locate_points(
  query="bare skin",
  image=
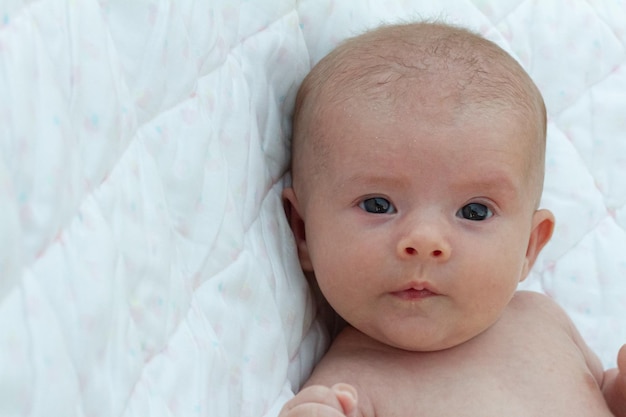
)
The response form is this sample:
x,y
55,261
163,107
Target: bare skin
x,y
415,206
514,368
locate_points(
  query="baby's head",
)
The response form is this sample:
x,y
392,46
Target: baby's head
x,y
417,168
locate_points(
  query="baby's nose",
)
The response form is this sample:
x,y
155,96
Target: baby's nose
x,y
426,243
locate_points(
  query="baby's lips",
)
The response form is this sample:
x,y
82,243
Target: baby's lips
x,y
416,290
414,295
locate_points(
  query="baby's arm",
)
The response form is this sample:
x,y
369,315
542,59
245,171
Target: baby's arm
x,y
317,400
614,385
613,381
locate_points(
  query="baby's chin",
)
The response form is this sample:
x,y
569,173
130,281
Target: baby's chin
x,y
423,345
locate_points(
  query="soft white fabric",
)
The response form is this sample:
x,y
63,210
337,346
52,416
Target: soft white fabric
x,y
146,268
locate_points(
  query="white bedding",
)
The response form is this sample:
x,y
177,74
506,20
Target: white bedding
x,y
146,268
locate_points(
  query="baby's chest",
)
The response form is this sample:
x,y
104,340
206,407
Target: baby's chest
x,y
515,378
487,392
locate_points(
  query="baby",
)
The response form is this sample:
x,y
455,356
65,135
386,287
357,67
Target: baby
x,y
418,164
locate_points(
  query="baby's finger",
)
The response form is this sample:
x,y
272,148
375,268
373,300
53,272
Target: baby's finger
x,y
315,394
621,360
347,396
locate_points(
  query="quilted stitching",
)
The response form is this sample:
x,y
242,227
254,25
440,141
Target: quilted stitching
x,y
144,264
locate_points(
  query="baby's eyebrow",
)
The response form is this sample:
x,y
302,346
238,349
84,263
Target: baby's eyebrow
x,y
504,185
387,180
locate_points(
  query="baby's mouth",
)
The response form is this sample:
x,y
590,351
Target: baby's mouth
x,y
415,292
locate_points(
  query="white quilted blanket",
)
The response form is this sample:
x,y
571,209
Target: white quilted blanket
x,y
146,268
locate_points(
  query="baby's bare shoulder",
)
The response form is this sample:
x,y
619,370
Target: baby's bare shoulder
x,y
539,312
536,304
533,298
348,354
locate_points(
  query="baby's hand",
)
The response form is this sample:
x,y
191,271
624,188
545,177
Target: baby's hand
x,y
320,401
621,375
615,391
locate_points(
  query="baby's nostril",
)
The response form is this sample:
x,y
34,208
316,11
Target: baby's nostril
x,y
437,253
411,251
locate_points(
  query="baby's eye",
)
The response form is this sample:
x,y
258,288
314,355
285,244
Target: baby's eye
x,y
475,212
377,205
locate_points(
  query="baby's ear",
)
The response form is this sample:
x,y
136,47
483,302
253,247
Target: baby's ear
x,y
542,228
296,222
